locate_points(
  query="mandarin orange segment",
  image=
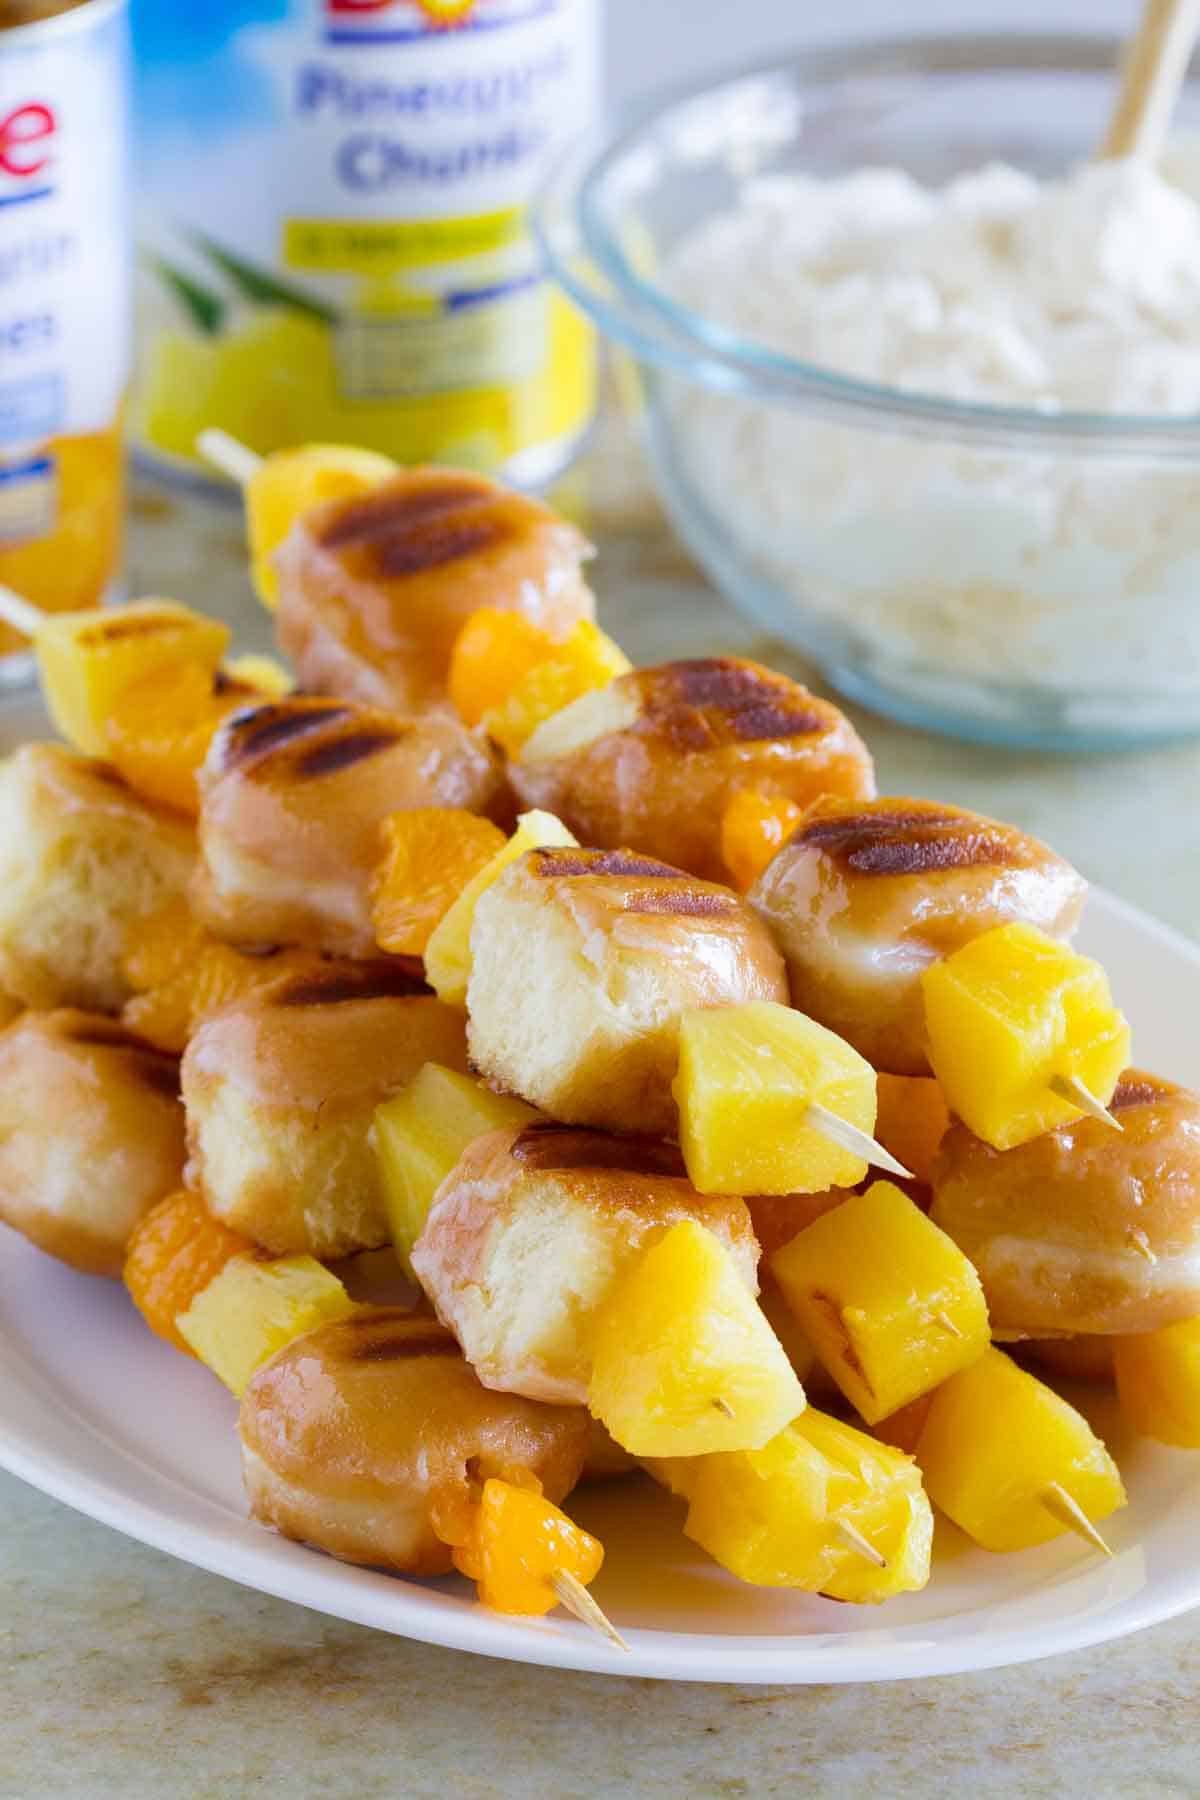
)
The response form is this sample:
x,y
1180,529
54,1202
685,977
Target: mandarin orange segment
x,y
429,856
162,946
492,653
172,1256
754,826
517,1543
159,729
162,1016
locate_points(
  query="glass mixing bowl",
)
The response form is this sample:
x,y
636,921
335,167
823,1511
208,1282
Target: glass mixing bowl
x,y
993,572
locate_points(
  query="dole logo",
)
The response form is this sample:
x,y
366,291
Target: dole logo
x,y
27,142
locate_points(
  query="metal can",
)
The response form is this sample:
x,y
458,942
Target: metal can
x,y
64,298
335,227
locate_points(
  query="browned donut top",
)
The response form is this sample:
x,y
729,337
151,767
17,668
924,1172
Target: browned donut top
x,y
424,519
375,979
301,739
653,887
912,837
560,1149
712,701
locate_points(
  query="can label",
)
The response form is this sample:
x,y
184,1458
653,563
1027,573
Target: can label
x,y
343,251
64,300
63,229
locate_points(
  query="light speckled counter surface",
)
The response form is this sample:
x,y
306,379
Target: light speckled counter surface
x,y
124,1673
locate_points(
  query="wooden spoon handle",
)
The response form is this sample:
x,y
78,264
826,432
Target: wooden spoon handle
x,y
1152,74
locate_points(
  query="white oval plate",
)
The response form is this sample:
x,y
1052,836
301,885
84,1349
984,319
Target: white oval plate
x,y
103,1416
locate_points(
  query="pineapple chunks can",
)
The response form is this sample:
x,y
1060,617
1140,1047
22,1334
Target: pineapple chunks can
x,y
335,227
64,300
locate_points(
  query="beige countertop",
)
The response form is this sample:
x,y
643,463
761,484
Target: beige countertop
x,y
125,1673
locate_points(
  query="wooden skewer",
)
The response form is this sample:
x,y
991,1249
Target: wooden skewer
x,y
1152,73
858,1543
1141,1243
574,1596
1072,1090
858,1143
1060,1505
229,454
723,1406
20,613
947,1323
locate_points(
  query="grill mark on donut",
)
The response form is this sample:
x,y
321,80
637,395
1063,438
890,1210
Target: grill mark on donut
x,y
123,626
343,752
261,728
399,506
773,719
913,843
550,862
432,1342
700,703
1136,1089
368,981
562,1149
435,546
699,905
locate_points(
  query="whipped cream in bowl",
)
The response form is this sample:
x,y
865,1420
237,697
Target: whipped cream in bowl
x,y
920,383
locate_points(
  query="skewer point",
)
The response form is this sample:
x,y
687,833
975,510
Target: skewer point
x,y
858,1143
1073,1091
861,1545
723,1406
1060,1505
229,454
947,1323
574,1596
20,613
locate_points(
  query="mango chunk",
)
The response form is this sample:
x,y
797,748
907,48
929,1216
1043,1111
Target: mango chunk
x,y
684,1362
287,483
86,659
747,1077
1158,1381
448,948
1006,1016
253,1308
996,1445
890,1304
587,659
420,1133
789,1514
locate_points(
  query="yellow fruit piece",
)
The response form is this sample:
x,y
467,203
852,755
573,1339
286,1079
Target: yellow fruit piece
x,y
1009,1013
429,855
996,1446
797,1345
890,1304
492,653
85,660
263,673
684,1362
753,828
585,660
420,1133
787,1515
517,1542
287,483
253,1308
175,1251
448,950
1158,1380
747,1076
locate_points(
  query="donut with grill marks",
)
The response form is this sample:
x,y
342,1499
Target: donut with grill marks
x,y
374,590
866,894
582,962
356,1435
652,761
292,796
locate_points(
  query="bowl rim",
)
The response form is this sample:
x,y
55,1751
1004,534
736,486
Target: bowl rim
x,y
586,260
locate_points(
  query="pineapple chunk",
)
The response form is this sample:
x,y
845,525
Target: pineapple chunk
x,y
747,1076
785,1515
254,1307
585,660
1008,1014
890,1303
448,951
684,1363
995,1446
1158,1380
419,1135
287,483
797,1345
86,659
263,673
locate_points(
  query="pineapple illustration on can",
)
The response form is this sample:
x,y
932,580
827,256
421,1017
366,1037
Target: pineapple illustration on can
x,y
335,237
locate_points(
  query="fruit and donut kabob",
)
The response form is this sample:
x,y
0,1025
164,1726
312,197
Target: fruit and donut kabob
x,y
322,905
